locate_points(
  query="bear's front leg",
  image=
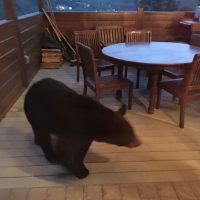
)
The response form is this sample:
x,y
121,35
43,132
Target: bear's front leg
x,y
72,153
44,140
77,168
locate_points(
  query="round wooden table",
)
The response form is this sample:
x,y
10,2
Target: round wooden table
x,y
153,57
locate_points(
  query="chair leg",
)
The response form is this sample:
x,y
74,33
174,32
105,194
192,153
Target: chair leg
x,y
78,73
85,89
97,96
113,70
125,71
173,98
158,97
182,114
138,78
130,96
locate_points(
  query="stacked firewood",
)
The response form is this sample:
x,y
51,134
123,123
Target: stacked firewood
x,y
51,58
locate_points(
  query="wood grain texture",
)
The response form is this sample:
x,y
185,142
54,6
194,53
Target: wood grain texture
x,y
11,70
164,25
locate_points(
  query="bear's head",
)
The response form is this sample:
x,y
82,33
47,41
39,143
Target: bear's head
x,y
119,131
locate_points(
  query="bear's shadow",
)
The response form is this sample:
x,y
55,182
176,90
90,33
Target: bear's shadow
x,y
38,166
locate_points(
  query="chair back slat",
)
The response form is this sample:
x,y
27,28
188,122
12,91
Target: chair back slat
x,y
110,34
139,36
88,63
89,38
195,39
194,75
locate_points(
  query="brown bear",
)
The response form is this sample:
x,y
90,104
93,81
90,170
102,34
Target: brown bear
x,y
53,108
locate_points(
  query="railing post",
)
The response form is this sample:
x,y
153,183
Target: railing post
x,y
11,14
40,5
140,18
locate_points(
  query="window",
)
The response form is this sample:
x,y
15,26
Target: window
x,y
1,10
94,5
169,5
26,6
123,5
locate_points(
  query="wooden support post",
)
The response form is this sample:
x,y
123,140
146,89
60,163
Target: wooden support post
x,y
11,14
41,5
140,18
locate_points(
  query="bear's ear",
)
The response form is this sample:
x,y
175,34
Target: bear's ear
x,y
122,110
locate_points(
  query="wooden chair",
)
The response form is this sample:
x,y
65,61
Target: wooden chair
x,y
101,84
110,34
137,36
90,38
186,89
179,73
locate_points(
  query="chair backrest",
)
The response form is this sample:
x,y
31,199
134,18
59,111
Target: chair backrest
x,y
195,39
193,76
138,36
110,34
88,63
89,38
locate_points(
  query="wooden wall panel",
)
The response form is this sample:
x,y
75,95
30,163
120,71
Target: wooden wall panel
x,y
11,84
165,25
68,22
30,32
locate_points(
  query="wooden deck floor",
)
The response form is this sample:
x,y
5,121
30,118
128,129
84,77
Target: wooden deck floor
x,y
166,166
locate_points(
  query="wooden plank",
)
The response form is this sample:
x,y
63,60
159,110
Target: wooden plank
x,y
195,186
7,30
8,71
5,194
32,43
75,192
147,191
29,21
129,192
166,191
23,161
56,193
93,192
141,156
10,98
116,157
7,44
111,192
34,166
103,178
106,148
30,32
37,194
8,58
42,170
184,191
9,84
19,194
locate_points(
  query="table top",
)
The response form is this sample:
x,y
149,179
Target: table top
x,y
163,54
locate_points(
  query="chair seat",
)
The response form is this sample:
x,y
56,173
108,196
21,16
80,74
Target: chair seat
x,y
103,65
113,81
174,73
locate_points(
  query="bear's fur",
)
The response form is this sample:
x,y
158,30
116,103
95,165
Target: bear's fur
x,y
53,108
